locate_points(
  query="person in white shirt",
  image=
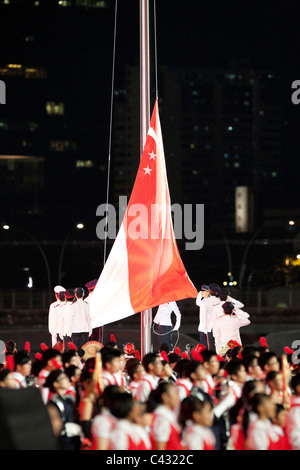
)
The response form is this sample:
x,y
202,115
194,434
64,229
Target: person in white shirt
x,y
22,370
97,332
207,315
67,317
224,296
201,297
153,367
52,316
293,417
227,327
81,327
163,322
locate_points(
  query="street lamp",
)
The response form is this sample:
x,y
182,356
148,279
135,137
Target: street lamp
x,y
79,226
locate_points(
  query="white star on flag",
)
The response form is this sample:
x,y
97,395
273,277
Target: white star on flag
x,y
144,268
147,170
152,155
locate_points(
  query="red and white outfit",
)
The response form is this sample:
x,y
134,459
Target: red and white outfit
x,y
133,386
262,434
146,385
128,436
184,387
20,380
102,425
109,379
165,428
196,437
120,379
293,424
208,385
45,392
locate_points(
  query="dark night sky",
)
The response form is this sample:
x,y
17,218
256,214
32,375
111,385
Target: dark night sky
x,y
192,33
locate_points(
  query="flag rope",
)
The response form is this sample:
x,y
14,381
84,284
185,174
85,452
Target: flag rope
x,y
110,124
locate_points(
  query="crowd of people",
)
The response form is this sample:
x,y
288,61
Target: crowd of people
x,y
211,396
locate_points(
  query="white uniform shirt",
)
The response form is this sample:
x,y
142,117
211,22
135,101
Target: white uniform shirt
x,y
196,437
218,308
81,317
293,424
59,318
19,379
67,319
163,315
146,385
207,313
163,421
52,318
199,302
227,327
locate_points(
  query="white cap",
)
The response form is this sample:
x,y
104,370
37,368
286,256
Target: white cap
x,y
58,289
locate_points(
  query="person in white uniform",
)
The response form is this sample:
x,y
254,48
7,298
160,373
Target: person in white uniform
x,y
201,297
227,327
52,316
224,296
81,327
207,314
163,322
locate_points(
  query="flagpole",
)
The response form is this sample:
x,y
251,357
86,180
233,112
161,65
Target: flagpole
x,y
146,315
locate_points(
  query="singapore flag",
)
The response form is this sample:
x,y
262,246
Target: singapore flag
x,y
144,268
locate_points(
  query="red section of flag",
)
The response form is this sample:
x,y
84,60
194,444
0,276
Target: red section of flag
x,y
156,272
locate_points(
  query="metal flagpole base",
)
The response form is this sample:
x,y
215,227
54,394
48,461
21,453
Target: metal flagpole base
x,y
146,328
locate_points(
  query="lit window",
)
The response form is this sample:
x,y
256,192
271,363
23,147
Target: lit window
x,y
55,108
84,164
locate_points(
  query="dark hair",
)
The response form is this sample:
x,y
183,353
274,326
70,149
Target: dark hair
x,y
49,354
109,394
173,357
3,374
248,390
67,356
61,296
271,375
180,367
233,366
10,346
109,354
70,371
155,397
132,368
248,361
188,406
266,357
249,350
253,404
207,355
52,377
122,404
21,358
148,359
191,368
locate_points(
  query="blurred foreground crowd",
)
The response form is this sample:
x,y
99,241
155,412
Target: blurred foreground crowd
x,y
106,397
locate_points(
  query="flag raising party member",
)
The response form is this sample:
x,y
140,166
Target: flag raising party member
x,y
144,268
